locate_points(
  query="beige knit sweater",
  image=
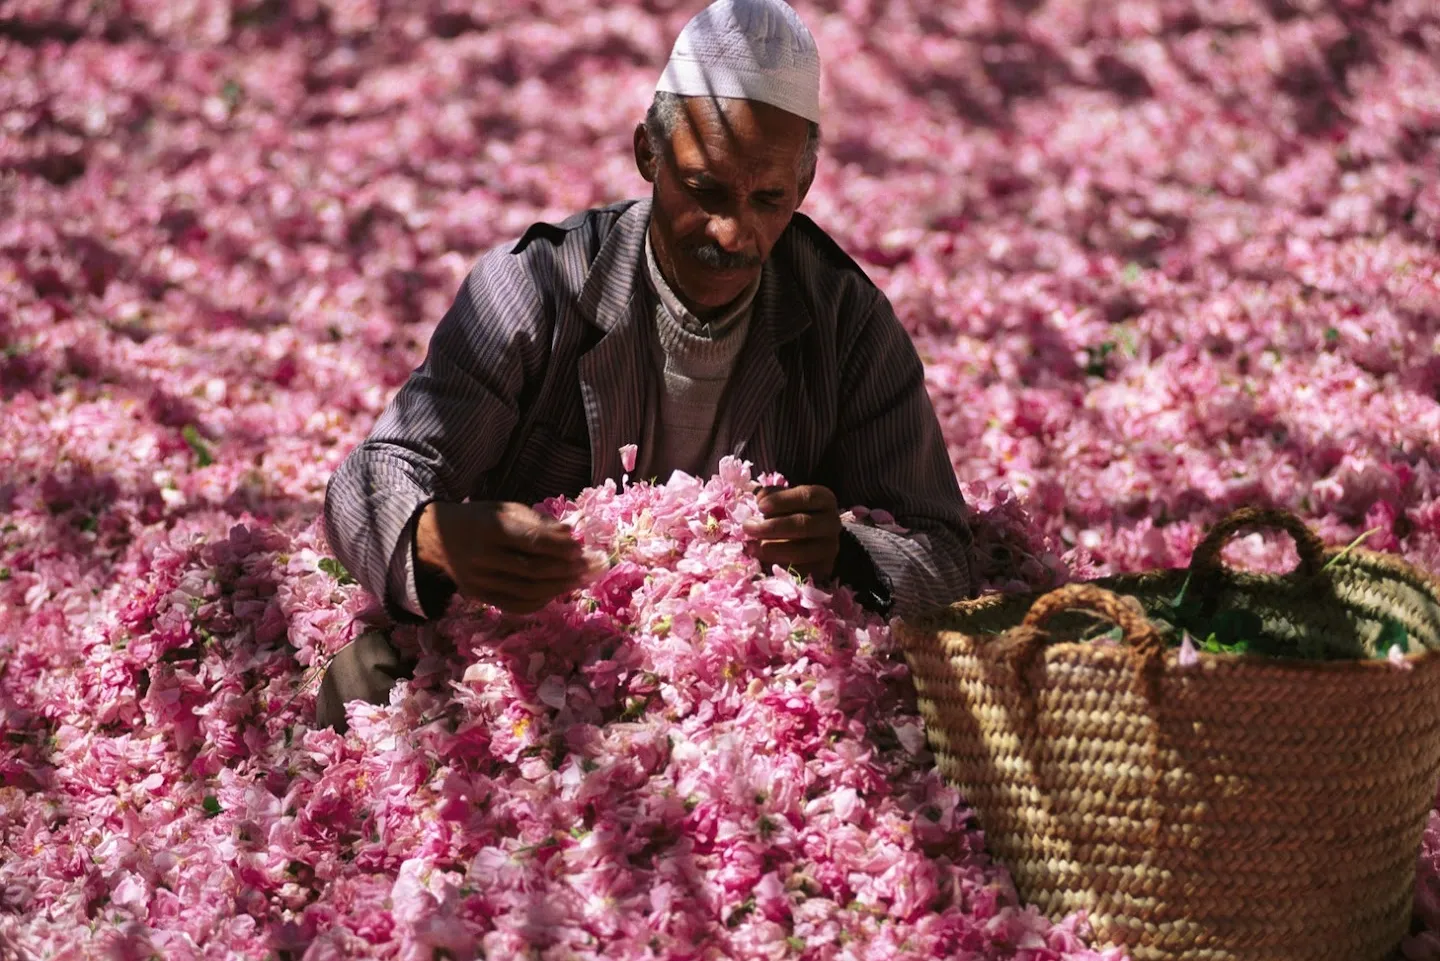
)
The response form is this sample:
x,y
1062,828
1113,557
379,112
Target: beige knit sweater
x,y
686,429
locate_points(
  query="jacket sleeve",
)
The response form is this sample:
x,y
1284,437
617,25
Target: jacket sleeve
x,y
889,454
449,424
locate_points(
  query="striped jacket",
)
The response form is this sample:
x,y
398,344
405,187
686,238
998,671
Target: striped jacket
x,y
541,370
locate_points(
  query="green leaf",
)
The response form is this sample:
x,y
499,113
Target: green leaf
x,y
549,842
1235,626
1213,645
336,570
796,944
740,913
197,445
4,573
211,805
1104,632
1179,600
1331,335
1184,610
1096,356
1350,547
1392,634
634,708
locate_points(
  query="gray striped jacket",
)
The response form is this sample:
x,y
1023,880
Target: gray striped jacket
x,y
541,370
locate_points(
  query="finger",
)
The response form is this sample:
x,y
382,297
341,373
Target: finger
x,y
798,554
518,605
795,527
524,531
542,566
805,499
484,584
509,603
512,605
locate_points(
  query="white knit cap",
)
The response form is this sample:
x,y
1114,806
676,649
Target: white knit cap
x,y
750,50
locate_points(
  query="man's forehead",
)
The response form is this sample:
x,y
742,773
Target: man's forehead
x,y
725,144
740,121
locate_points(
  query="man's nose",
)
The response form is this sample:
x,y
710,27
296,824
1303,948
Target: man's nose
x,y
731,232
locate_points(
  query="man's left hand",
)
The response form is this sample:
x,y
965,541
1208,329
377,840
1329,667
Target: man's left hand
x,y
801,529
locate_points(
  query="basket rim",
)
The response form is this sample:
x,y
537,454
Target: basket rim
x,y
954,642
926,626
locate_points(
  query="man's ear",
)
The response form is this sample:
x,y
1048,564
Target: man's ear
x,y
645,159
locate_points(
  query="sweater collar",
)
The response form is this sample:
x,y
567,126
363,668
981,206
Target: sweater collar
x,y
670,301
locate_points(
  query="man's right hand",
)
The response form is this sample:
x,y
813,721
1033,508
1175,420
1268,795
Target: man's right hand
x,y
504,554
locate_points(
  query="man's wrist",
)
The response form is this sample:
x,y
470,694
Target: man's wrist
x,y
430,554
433,584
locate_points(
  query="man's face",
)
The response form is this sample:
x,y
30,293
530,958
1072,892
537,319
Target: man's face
x,y
723,194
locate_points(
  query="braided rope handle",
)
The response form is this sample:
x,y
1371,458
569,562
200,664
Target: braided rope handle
x,y
1307,543
1135,627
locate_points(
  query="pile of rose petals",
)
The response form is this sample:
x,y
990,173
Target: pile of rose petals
x,y
691,757
1161,258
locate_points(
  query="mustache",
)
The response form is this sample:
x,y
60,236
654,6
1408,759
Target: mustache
x,y
718,258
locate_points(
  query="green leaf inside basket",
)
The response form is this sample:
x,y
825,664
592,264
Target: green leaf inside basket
x,y
1236,628
1213,645
1392,634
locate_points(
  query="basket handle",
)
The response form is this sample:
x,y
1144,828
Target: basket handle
x,y
1148,658
1311,549
1135,627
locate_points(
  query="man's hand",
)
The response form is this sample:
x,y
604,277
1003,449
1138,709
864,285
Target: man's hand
x,y
504,554
801,529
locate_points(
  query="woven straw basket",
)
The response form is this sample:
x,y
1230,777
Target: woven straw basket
x,y
1240,809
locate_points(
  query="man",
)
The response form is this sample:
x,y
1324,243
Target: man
x,y
709,320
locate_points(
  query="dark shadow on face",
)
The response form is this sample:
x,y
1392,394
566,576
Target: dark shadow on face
x,y
723,190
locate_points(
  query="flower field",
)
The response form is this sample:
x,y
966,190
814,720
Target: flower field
x,y
1162,259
